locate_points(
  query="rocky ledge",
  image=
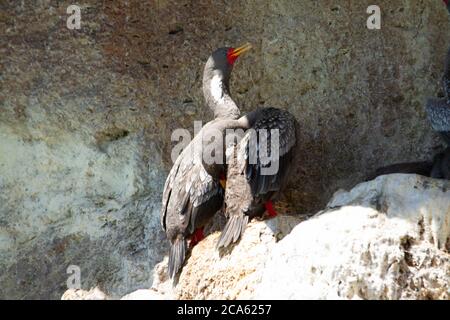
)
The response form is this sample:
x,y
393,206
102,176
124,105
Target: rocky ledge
x,y
385,239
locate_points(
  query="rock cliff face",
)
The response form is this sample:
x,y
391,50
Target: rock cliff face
x,y
86,117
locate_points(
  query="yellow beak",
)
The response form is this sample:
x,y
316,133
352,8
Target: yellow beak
x,y
238,51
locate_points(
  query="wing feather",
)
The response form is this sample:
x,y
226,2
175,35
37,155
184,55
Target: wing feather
x,y
285,123
248,188
438,111
191,196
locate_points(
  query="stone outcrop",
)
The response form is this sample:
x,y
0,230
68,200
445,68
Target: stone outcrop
x,y
385,239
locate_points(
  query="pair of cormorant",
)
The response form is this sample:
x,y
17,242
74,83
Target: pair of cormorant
x,y
194,192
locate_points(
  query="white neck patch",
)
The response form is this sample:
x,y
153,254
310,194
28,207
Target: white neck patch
x,y
217,88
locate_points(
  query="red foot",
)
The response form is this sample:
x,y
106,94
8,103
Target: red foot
x,y
197,237
270,210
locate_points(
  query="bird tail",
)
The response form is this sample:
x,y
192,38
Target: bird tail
x,y
233,230
176,256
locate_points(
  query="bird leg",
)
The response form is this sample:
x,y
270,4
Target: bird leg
x,y
196,237
270,210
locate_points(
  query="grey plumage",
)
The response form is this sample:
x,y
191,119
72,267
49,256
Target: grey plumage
x,y
441,165
247,189
446,77
190,198
192,192
217,67
438,110
177,255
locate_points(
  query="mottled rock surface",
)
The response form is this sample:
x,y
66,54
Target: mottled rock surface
x,y
79,294
385,239
233,273
86,116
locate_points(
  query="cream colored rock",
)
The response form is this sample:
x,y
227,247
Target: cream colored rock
x,y
143,294
79,294
230,274
385,239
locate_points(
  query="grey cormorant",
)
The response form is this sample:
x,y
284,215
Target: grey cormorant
x,y
249,192
192,192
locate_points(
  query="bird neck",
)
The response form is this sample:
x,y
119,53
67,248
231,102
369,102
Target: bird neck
x,y
217,95
245,122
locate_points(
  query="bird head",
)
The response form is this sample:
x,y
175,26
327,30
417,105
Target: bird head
x,y
234,53
223,59
447,3
216,78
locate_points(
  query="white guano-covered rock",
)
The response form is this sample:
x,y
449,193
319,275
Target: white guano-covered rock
x,y
143,294
385,239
